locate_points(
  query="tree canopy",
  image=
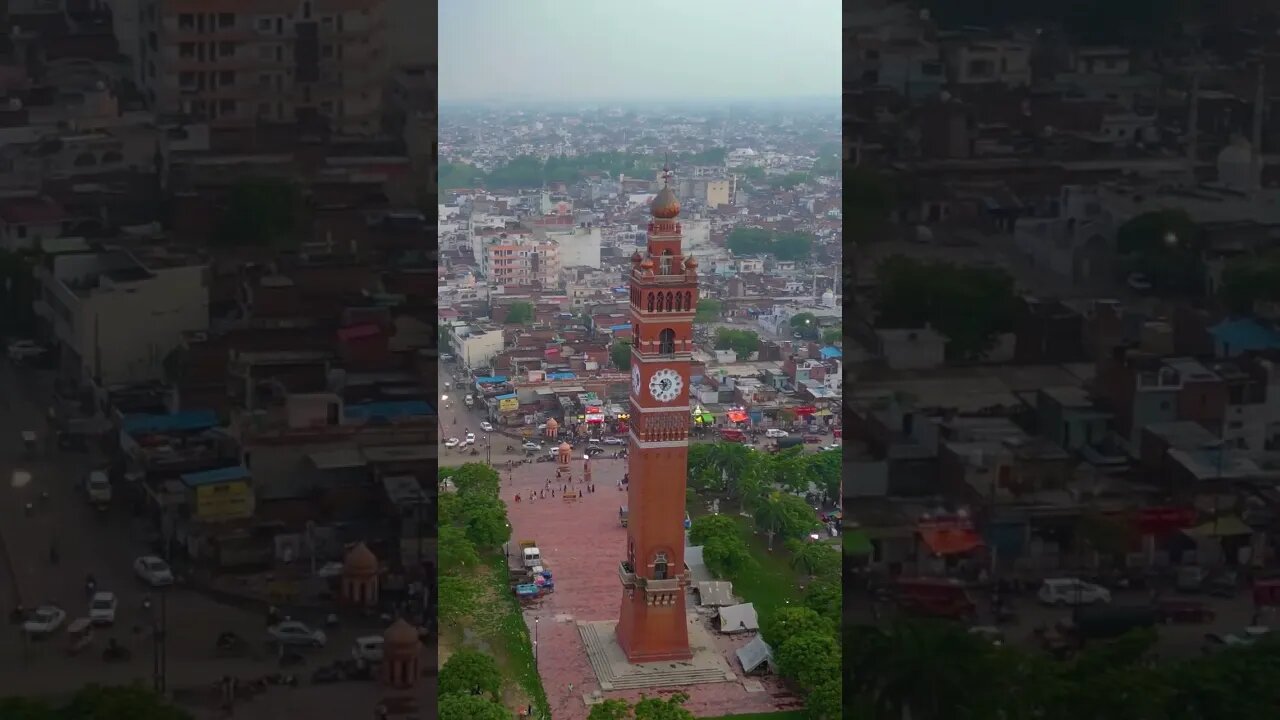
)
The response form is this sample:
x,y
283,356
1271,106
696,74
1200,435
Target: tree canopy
x,y
1164,246
620,354
786,246
96,702
708,310
867,199
520,313
259,212
456,706
471,672
969,305
1248,280
742,342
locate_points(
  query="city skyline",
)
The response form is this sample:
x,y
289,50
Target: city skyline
x,y
576,51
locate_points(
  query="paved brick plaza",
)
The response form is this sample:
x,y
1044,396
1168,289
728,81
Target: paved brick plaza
x,y
582,543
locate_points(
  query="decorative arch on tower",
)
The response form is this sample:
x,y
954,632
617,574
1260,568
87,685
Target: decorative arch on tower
x,y
649,303
667,342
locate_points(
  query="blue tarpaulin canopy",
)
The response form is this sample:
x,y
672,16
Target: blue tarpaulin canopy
x,y
189,420
618,328
405,408
508,396
491,380
829,352
561,376
219,475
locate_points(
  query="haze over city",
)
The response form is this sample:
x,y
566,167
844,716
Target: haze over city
x,y
576,50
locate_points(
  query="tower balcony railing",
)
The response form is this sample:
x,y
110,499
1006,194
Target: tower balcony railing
x,y
672,278
661,586
626,575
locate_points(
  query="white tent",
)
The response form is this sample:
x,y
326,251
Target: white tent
x,y
754,654
715,594
739,618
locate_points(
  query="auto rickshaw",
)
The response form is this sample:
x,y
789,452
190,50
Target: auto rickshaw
x,y
79,635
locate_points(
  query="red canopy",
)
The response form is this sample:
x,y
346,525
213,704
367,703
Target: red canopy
x,y
947,541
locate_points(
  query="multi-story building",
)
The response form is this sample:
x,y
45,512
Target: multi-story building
x,y
237,63
513,261
994,61
116,316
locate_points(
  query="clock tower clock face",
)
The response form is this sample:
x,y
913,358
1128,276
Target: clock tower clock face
x,y
665,385
635,379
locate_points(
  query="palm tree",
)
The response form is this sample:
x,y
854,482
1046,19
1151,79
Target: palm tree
x,y
813,558
769,514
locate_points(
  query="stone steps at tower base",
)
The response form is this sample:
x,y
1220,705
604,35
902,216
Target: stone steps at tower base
x,y
598,652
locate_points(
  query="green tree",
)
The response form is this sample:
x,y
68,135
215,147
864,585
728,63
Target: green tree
x,y
814,559
826,598
471,672
484,520
671,708
727,556
120,702
704,528
470,707
620,354
1250,279
708,310
793,246
784,622
809,659
260,212
806,324
454,176
474,478
749,241
826,701
610,710
520,313
971,306
782,514
454,551
17,293
742,342
868,198
832,336
753,173
823,469
1165,246
788,181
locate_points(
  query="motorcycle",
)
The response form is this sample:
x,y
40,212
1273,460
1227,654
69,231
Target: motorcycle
x,y
231,644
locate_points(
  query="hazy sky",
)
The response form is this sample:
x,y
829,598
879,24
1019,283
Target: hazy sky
x,y
638,49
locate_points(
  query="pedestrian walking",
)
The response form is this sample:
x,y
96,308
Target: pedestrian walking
x,y
517,497
553,492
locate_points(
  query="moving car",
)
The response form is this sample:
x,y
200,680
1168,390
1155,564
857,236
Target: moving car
x,y
775,433
470,440
1072,591
485,426
1250,636
294,633
46,620
367,648
614,441
97,487
20,350
451,443
153,571
531,446
102,608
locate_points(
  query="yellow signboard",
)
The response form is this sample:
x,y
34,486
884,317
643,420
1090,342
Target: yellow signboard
x,y
224,501
508,404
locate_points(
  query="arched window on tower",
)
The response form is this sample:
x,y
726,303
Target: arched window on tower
x,y
649,303
671,305
688,300
667,342
660,566
666,262
679,301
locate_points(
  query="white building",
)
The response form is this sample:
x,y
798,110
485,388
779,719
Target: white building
x,y
117,317
579,247
475,346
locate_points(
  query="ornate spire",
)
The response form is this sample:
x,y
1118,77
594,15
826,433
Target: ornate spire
x,y
665,206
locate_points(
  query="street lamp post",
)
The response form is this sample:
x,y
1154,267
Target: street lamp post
x,y
488,451
535,642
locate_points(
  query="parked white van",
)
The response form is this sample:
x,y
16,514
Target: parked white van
x,y
1072,591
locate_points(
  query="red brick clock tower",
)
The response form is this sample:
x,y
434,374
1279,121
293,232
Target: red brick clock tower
x,y
664,293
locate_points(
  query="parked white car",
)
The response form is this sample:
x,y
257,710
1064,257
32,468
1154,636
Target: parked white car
x,y
470,440
531,446
486,426
153,571
614,441
20,350
46,620
368,649
775,433
102,608
292,632
451,443
1071,591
